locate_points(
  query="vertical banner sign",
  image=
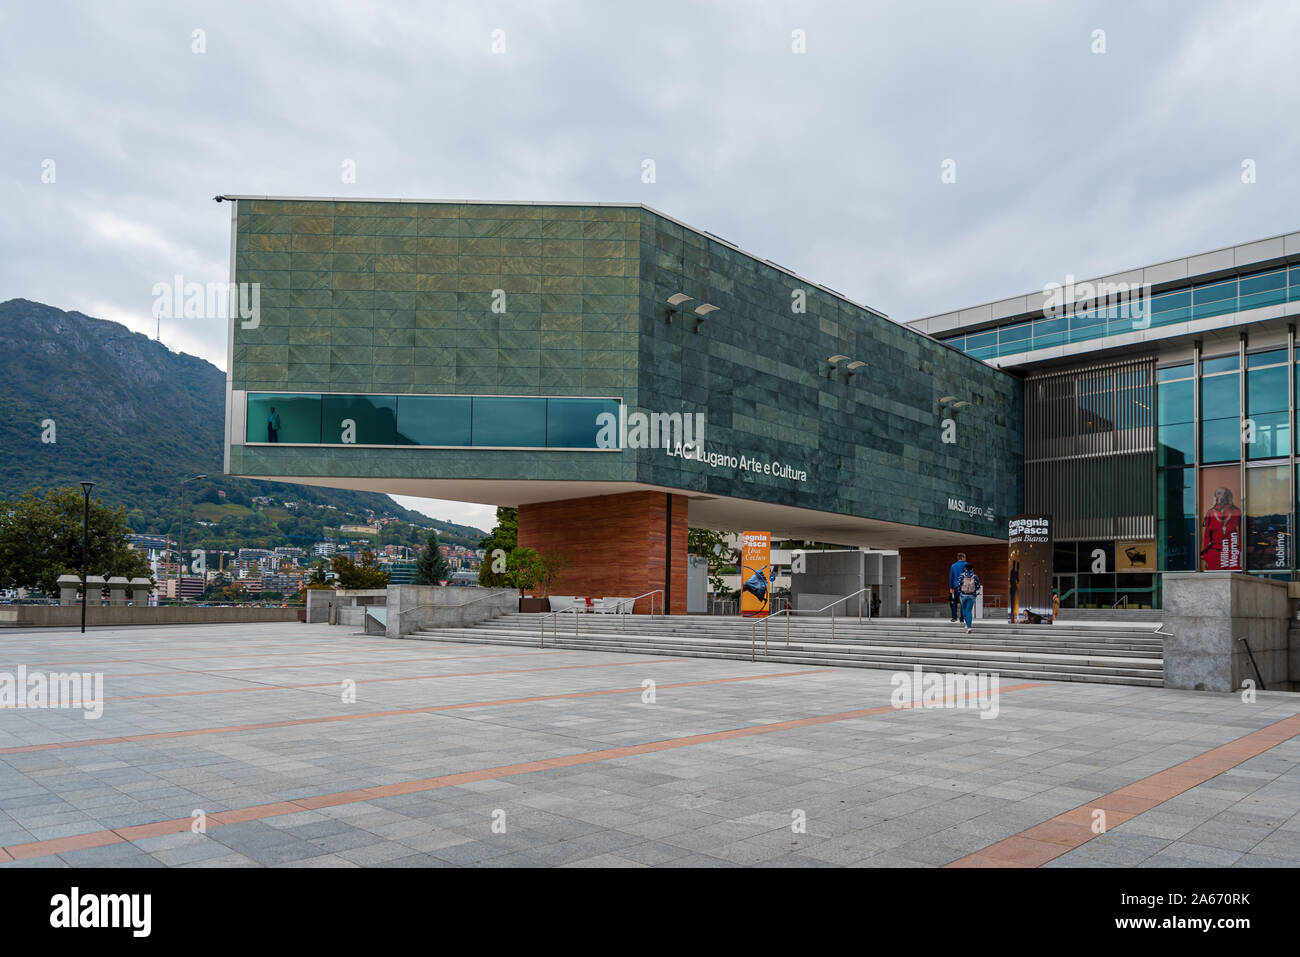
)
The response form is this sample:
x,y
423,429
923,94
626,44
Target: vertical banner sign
x,y
1029,569
1221,544
756,574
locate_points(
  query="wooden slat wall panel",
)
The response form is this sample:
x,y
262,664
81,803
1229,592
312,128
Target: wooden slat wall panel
x,y
615,544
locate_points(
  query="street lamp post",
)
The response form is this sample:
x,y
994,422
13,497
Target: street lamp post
x,y
180,566
85,552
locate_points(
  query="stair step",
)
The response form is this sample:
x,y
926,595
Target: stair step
x,y
1106,652
1152,677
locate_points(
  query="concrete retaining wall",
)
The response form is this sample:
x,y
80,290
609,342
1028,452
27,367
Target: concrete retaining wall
x,y
1207,612
354,616
413,607
63,616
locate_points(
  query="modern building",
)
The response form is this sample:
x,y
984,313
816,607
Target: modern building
x,y
562,358
514,354
400,573
1160,408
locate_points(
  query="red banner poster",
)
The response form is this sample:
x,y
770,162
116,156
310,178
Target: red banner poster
x,y
1221,527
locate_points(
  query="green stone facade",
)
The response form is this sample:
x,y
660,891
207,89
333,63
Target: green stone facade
x,y
398,298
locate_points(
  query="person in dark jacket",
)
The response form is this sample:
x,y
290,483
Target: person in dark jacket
x,y
968,586
954,573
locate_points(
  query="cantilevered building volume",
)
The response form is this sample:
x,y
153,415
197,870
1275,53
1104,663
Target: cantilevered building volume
x,y
466,350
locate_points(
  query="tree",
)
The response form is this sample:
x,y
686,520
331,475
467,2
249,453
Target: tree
x,y
505,537
524,569
432,567
352,575
316,578
226,592
41,539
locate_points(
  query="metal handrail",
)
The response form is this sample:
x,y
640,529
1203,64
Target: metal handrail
x,y
753,628
1123,601
555,631
553,615
1251,655
650,594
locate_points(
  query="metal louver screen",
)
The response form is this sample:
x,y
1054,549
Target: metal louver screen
x,y
1090,450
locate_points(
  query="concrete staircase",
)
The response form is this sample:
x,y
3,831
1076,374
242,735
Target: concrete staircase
x,y
1112,614
1108,652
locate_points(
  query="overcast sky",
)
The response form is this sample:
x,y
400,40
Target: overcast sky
x,y
827,161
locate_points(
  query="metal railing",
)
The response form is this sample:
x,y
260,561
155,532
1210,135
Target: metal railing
x,y
650,594
619,605
990,601
1251,655
555,619
730,606
1123,601
753,629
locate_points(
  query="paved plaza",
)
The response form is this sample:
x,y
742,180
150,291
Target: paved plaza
x,y
241,745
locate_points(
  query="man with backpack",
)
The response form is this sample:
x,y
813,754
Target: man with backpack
x,y
968,586
954,573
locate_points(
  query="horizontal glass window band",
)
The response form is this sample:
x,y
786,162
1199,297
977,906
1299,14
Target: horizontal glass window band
x,y
570,423
1174,306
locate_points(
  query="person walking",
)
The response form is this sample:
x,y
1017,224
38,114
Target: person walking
x,y
954,576
968,586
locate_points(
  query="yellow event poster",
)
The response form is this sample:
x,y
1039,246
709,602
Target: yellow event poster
x,y
756,574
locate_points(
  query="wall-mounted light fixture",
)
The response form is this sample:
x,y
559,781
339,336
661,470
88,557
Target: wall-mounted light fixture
x,y
952,403
830,364
701,313
675,302
851,368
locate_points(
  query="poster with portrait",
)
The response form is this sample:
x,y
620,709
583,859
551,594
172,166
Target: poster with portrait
x,y
1268,518
756,574
1220,540
1029,569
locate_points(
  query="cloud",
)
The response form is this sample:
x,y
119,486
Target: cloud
x,y
462,513
828,161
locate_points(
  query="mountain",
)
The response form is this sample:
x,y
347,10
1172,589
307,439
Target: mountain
x,y
135,418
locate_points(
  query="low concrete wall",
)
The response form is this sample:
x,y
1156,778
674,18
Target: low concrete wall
x,y
63,616
414,607
354,616
1206,613
319,603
